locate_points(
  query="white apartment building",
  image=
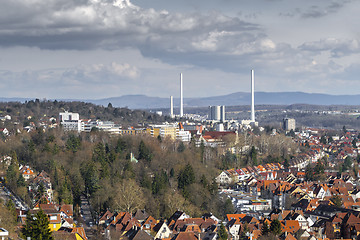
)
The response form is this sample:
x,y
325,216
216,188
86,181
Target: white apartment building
x,y
71,121
183,135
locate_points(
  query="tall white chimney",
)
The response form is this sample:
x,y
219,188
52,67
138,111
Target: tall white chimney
x,y
252,96
181,96
171,106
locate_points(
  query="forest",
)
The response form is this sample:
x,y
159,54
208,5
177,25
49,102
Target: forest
x,y
168,176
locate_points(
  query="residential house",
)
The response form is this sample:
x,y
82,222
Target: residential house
x,y
162,230
27,173
149,224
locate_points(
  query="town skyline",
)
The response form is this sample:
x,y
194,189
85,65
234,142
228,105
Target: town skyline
x,y
82,49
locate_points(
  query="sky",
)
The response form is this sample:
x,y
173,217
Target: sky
x,y
93,49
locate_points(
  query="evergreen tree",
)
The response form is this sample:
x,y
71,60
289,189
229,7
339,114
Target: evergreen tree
x,y
347,163
223,235
12,173
275,227
160,182
37,226
172,172
244,232
21,181
146,181
203,181
265,229
73,143
90,175
253,156
120,145
181,147
309,173
99,153
11,207
186,177
144,152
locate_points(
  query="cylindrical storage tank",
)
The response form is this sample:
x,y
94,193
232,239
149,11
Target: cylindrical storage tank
x,y
217,113
222,113
211,113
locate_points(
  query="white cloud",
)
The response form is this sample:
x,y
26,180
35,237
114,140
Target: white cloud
x,y
100,72
84,78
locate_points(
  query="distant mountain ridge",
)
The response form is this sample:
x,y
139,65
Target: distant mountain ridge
x,y
233,99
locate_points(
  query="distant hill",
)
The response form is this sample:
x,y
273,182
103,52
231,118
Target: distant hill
x,y
239,98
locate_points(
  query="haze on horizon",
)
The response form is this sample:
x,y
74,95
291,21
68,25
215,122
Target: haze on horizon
x,y
92,49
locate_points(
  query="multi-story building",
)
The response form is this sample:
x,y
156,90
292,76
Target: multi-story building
x,y
105,126
163,130
289,124
133,131
71,121
174,131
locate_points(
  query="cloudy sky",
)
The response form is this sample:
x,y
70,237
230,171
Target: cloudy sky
x,y
91,49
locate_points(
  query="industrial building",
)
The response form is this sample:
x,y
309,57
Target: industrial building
x,y
217,113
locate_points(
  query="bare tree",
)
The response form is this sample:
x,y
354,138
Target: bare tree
x,y
128,196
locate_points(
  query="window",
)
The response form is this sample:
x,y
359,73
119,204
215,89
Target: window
x,y
54,226
53,218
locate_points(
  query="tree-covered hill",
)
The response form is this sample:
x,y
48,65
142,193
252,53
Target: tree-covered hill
x,y
168,175
35,110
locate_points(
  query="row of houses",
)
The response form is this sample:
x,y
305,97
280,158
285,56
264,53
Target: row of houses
x,y
142,226
231,176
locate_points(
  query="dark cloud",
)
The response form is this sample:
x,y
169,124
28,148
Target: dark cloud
x,y
337,47
323,9
58,24
194,38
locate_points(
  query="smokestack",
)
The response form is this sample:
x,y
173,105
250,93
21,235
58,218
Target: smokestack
x,y
252,96
171,106
181,96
